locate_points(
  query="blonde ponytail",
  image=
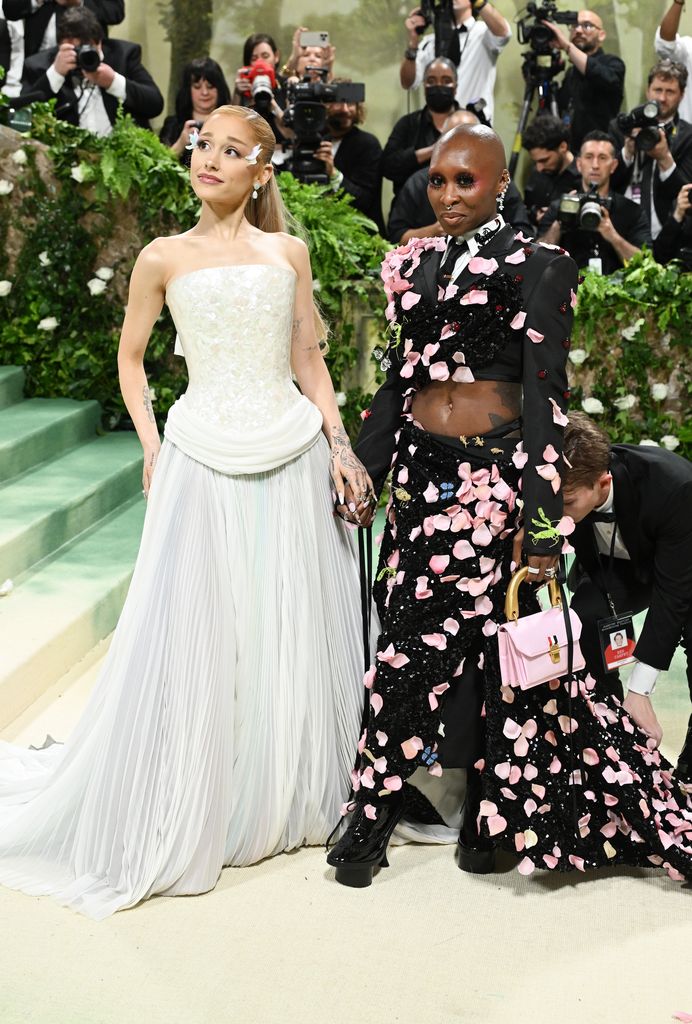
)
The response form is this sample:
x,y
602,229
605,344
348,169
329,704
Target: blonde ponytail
x,y
268,212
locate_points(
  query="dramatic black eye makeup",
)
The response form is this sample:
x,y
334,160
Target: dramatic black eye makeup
x,y
464,180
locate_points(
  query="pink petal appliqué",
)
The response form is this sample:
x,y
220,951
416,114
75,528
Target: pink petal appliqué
x,y
516,257
475,297
534,336
549,454
370,812
409,300
411,747
558,415
479,265
376,703
438,640
526,866
393,783
438,563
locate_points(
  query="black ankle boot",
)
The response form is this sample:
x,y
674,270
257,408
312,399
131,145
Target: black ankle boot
x,y
684,766
363,846
476,854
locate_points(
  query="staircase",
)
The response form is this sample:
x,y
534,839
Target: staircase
x,y
71,514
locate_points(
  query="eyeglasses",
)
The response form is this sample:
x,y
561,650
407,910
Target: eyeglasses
x,y
588,26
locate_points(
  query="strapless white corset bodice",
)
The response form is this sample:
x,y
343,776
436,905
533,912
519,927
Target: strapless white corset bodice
x,y
241,412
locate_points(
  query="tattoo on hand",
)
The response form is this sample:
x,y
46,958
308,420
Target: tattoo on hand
x,y
147,404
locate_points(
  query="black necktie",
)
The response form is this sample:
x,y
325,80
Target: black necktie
x,y
446,268
601,517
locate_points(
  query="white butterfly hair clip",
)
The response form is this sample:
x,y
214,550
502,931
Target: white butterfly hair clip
x,y
252,157
194,139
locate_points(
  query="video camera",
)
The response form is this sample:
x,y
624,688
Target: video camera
x,y
583,210
538,36
440,13
647,118
307,116
261,78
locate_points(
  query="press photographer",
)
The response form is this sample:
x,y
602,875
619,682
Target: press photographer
x,y
307,117
471,35
90,76
653,170
675,239
592,89
258,83
555,170
599,228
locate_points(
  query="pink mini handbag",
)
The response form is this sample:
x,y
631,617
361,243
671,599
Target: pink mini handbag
x,y
540,647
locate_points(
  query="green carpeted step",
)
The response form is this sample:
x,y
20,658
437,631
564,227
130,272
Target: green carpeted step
x,y
11,385
61,609
40,428
48,506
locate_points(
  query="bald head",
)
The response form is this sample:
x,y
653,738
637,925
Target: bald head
x,y
459,117
480,139
588,33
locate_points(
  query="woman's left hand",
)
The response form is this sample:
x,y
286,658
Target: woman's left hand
x,y
348,473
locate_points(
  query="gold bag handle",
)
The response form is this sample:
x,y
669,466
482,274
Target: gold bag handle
x,y
512,598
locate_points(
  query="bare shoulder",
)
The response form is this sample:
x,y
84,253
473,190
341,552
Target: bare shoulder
x,y
295,250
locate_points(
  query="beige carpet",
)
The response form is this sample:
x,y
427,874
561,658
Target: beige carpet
x,y
281,943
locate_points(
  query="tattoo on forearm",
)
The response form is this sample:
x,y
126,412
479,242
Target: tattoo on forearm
x,y
147,404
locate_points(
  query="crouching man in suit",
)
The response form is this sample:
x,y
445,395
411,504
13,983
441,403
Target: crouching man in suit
x,y
633,544
90,76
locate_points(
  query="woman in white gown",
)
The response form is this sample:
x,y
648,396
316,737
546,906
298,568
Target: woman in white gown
x,y
222,726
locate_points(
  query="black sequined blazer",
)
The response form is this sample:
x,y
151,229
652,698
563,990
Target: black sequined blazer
x,y
508,318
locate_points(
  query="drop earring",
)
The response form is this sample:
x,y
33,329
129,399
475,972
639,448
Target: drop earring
x,y
255,190
501,201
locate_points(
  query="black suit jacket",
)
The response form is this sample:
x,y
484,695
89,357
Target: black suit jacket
x,y
547,278
664,192
359,158
412,209
142,98
593,98
652,498
108,12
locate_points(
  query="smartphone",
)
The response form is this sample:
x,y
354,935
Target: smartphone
x,y
314,38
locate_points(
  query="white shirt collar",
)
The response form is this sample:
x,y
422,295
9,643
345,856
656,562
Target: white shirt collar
x,y
474,238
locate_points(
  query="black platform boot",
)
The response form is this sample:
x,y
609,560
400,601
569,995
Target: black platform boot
x,y
476,854
363,846
684,767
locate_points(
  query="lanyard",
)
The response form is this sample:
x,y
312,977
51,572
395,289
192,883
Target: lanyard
x,y
605,579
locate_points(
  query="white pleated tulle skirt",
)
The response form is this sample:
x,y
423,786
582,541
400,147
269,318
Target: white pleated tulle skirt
x,y
223,725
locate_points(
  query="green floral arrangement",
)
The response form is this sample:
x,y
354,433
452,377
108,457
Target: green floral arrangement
x,y
76,209
630,365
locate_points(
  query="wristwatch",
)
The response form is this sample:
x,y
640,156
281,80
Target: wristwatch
x,y
410,53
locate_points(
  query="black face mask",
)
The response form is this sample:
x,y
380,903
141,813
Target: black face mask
x,y
439,98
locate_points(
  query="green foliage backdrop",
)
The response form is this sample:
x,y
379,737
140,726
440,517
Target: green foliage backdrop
x,y
75,210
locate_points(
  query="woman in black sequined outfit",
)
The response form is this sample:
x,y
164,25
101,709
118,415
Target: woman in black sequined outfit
x,y
471,420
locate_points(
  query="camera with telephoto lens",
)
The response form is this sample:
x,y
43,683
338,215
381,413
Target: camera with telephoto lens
x,y
645,117
531,32
306,115
88,57
261,78
583,210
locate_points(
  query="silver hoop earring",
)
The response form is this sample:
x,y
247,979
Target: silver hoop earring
x,y
255,190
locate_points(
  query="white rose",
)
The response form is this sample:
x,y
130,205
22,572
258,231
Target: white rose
x,y
316,286
44,258
96,286
19,156
105,273
78,173
670,441
340,398
649,443
592,406
625,402
578,355
49,323
5,288
5,187
659,392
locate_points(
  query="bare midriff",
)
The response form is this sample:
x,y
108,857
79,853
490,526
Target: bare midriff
x,y
461,410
